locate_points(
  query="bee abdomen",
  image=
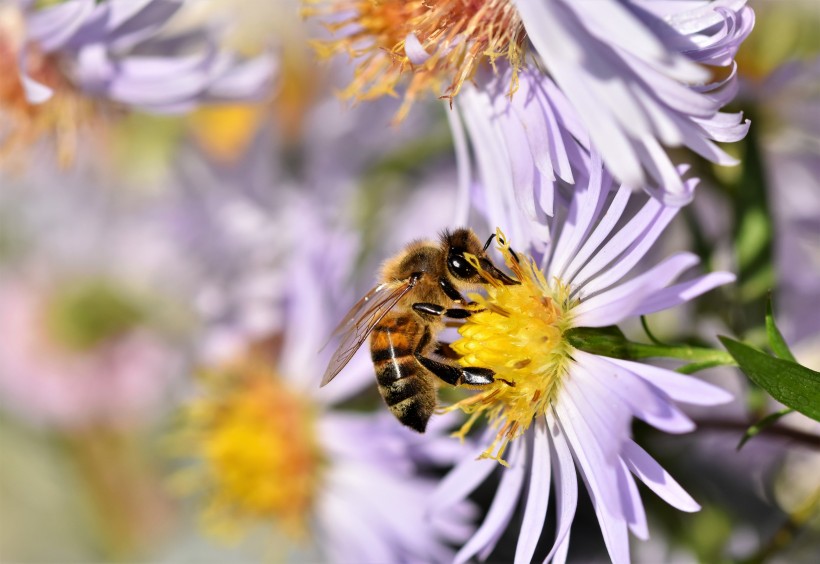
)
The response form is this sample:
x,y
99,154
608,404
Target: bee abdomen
x,y
402,382
402,390
416,411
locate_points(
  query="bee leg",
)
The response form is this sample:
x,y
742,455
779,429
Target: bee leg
x,y
434,309
452,374
450,291
445,350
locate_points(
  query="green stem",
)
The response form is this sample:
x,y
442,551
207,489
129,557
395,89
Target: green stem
x,y
609,341
704,355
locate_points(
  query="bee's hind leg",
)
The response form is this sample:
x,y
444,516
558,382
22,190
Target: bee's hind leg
x,y
453,374
445,350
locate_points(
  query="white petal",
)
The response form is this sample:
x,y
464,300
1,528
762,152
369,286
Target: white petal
x,y
604,227
553,32
36,93
54,25
463,166
657,479
589,453
601,481
683,292
643,399
677,386
538,495
415,50
631,500
584,210
613,23
462,480
661,168
615,305
566,490
502,507
619,242
640,245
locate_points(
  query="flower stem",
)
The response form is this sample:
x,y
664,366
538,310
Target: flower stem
x,y
610,341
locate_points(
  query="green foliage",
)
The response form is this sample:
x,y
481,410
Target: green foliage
x,y
790,383
611,342
776,340
762,425
84,316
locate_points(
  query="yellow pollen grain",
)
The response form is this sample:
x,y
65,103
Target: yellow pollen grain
x,y
60,119
518,333
458,35
260,460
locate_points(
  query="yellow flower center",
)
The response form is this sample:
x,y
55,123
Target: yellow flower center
x,y
257,440
518,333
457,36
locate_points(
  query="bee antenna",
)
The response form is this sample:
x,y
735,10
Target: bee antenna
x,y
489,240
515,256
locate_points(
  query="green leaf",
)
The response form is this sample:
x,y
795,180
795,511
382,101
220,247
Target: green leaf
x,y
776,340
793,385
763,424
693,367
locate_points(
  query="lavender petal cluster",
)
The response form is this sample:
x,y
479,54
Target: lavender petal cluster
x,y
117,50
631,79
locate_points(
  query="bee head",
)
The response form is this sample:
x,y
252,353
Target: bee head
x,y
461,241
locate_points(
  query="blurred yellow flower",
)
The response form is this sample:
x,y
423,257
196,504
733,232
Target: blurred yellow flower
x,y
259,455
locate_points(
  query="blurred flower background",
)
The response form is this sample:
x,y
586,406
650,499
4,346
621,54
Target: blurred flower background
x,y
194,193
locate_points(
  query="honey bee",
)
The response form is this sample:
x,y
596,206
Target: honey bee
x,y
420,287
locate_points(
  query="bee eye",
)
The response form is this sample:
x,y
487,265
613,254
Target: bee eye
x,y
459,267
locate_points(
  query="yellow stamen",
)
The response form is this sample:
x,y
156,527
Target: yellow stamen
x,y
257,440
518,333
458,35
225,131
59,119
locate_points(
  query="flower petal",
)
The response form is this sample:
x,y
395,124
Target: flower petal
x,y
644,400
634,512
656,478
683,292
566,490
462,480
502,507
615,305
677,386
538,494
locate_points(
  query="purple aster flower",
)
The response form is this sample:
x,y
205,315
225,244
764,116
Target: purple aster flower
x,y
116,50
272,447
630,78
636,74
569,412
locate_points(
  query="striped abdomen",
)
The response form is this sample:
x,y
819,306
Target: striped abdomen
x,y
403,382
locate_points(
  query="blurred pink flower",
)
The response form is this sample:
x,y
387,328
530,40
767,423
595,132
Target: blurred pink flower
x,y
113,382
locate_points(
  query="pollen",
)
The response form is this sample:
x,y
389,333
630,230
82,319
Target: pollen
x,y
436,44
260,461
60,119
518,333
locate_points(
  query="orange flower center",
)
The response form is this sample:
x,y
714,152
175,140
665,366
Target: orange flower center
x,y
439,44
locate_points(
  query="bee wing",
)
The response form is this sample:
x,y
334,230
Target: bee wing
x,y
348,320
360,321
